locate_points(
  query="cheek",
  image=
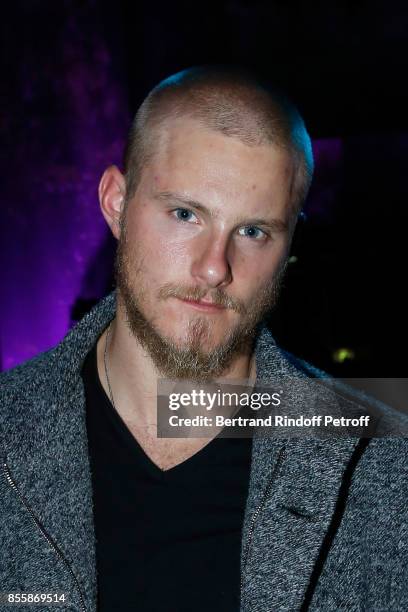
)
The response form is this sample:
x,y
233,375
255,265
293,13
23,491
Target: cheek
x,y
259,266
176,253
146,229
165,254
255,273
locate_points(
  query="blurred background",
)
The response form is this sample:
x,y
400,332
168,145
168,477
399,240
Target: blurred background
x,y
74,73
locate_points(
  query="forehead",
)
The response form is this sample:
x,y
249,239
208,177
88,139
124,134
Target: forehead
x,y
205,163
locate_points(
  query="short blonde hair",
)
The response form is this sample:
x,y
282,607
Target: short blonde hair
x,y
228,100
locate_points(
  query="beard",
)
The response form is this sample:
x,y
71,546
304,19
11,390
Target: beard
x,y
190,361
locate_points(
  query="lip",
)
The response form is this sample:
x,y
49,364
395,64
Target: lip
x,y
203,306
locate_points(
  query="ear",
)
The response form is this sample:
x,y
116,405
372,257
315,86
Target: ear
x,y
112,192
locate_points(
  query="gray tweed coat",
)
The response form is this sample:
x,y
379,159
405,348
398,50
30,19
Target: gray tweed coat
x,y
326,523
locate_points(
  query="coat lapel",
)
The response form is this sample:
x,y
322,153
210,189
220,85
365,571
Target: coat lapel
x,y
293,492
48,455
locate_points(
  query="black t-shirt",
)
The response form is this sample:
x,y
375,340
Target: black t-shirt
x,y
165,540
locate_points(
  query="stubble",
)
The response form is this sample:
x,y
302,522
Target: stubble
x,y
189,361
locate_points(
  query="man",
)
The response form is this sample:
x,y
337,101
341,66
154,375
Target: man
x,y
100,513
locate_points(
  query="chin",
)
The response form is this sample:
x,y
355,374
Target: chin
x,y
181,336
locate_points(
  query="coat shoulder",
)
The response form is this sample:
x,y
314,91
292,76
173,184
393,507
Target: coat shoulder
x,y
392,430
23,378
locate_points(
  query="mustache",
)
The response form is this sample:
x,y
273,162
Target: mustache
x,y
217,296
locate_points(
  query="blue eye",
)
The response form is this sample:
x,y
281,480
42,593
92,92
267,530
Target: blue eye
x,y
183,214
253,232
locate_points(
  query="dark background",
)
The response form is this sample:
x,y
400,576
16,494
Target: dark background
x,y
73,76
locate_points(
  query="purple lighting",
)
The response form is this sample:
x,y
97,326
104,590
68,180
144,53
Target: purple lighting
x,y
73,119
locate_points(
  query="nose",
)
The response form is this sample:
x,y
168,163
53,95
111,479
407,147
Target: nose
x,y
211,265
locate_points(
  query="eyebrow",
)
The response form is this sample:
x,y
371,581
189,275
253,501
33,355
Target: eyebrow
x,y
276,225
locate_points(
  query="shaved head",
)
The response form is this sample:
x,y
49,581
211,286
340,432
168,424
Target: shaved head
x,y
226,100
